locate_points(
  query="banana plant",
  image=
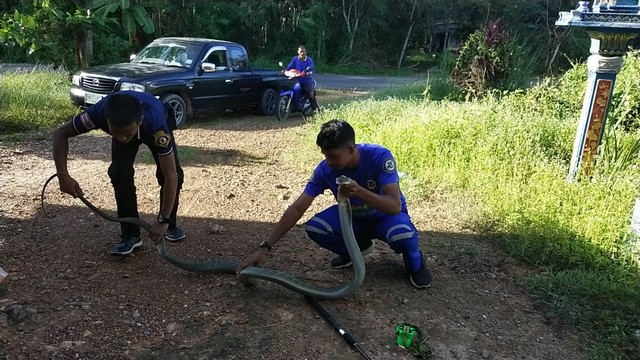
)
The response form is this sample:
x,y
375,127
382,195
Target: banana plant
x,y
133,15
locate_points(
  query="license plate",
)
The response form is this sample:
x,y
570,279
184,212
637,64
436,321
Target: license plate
x,y
91,98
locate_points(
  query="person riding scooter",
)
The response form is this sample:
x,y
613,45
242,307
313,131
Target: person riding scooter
x,y
304,64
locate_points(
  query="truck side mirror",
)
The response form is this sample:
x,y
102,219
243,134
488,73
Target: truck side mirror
x,y
132,56
208,67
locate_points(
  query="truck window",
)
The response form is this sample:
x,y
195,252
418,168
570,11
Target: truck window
x,y
238,58
219,58
170,54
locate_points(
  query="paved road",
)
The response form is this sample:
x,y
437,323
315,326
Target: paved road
x,y
362,82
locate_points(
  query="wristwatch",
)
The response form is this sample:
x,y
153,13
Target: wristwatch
x,y
265,244
163,219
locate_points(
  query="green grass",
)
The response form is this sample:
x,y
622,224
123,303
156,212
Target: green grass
x,y
508,154
14,137
436,87
34,101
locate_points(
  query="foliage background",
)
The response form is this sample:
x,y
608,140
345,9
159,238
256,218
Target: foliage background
x,y
272,29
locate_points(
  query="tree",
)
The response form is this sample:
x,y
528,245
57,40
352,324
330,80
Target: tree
x,y
353,11
44,33
412,19
314,24
132,15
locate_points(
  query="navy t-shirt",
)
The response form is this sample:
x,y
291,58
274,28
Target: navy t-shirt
x,y
376,168
154,130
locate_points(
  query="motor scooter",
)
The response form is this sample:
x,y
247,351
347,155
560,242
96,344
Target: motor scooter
x,y
292,98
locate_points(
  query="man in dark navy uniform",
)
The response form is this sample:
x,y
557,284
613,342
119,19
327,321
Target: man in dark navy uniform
x,y
378,208
131,118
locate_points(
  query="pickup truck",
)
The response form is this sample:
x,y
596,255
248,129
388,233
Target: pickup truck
x,y
192,75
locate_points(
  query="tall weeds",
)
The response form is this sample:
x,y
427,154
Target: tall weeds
x,y
34,101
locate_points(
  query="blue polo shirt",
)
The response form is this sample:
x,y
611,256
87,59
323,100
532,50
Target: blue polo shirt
x,y
301,65
154,131
376,168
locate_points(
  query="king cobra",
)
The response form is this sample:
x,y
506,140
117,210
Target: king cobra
x,y
279,277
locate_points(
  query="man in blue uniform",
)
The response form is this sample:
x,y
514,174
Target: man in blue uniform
x,y
131,118
379,209
303,62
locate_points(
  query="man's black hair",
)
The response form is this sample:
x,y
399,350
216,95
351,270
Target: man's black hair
x,y
335,134
123,110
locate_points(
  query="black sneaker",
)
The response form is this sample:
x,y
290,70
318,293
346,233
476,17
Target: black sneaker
x,y
340,262
174,234
126,245
421,279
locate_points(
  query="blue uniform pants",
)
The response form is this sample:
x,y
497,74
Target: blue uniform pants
x,y
396,230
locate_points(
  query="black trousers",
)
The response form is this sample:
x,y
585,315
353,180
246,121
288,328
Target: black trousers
x,y
308,88
121,173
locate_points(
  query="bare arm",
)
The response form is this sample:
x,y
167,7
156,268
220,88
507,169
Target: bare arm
x,y
60,146
169,171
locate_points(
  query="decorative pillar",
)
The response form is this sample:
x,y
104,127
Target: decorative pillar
x,y
612,25
602,77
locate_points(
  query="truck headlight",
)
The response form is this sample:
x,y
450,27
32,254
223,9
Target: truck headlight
x,y
132,86
75,79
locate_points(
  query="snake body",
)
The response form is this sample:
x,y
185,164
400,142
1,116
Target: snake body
x,y
229,266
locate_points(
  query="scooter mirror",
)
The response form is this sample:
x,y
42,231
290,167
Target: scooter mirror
x,y
280,63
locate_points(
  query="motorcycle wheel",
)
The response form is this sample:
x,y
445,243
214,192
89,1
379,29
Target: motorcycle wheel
x,y
284,107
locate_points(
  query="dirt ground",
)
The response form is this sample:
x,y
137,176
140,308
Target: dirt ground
x,y
67,298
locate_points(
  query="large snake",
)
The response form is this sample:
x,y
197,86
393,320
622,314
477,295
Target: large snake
x,y
279,277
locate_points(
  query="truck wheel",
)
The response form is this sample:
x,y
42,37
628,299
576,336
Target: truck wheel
x,y
268,102
284,107
178,106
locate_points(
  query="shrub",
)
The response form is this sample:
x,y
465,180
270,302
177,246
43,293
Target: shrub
x,y
483,59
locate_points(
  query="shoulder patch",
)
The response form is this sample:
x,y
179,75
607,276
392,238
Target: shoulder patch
x,y
389,165
161,139
86,121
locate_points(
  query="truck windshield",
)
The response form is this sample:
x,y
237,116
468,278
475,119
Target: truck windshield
x,y
168,54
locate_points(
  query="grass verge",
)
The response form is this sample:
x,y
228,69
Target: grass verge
x,y
34,101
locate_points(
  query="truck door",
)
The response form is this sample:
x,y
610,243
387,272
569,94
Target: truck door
x,y
212,87
242,82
